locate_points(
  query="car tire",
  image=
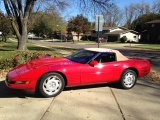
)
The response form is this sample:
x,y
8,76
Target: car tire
x,y
128,79
51,84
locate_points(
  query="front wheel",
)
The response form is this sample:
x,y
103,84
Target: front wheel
x,y
51,84
129,79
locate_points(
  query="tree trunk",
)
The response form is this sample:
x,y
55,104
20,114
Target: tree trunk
x,y
4,38
22,43
78,36
22,39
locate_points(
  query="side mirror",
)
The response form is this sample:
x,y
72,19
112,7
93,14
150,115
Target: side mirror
x,y
93,63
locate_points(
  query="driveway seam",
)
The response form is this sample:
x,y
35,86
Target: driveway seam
x,y
47,109
119,107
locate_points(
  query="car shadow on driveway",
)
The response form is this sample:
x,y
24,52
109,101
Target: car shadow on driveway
x,y
111,85
5,92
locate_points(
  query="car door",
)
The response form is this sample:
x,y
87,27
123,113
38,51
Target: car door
x,y
111,71
107,70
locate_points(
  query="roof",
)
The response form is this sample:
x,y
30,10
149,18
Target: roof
x,y
112,28
121,32
109,28
154,21
116,32
120,57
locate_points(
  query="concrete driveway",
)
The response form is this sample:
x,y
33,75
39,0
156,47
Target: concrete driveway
x,y
102,102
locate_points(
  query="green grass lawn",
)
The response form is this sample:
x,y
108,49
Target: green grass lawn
x,y
11,57
147,46
9,49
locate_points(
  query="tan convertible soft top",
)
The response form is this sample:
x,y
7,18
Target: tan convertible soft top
x,y
120,57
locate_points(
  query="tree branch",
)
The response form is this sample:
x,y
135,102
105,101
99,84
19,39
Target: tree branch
x,y
28,8
20,9
6,3
14,8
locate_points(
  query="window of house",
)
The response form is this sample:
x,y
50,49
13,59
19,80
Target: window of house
x,y
106,57
153,25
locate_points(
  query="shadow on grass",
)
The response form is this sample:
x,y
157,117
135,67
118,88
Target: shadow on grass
x,y
65,48
37,48
5,50
9,46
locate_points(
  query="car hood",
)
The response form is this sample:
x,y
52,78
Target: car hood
x,y
47,61
37,63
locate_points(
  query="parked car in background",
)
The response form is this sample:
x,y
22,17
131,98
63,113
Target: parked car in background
x,y
102,40
31,35
49,76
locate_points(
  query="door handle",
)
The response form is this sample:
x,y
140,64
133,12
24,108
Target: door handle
x,y
115,65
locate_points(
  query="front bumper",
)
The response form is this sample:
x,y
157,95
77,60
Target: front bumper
x,y
20,85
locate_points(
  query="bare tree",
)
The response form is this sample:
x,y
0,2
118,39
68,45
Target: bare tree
x,y
142,8
91,7
156,6
130,15
19,12
133,11
114,17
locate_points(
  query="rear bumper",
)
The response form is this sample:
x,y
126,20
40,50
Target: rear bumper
x,y
145,71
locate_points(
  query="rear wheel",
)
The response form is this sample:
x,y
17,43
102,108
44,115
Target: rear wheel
x,y
51,84
129,79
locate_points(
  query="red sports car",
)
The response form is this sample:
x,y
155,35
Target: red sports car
x,y
49,76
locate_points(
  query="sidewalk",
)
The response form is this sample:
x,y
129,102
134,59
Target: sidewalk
x,y
84,103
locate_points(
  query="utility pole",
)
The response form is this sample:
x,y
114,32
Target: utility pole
x,y
98,33
99,26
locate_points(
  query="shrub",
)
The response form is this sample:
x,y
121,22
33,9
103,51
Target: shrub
x,y
23,58
20,59
123,39
6,64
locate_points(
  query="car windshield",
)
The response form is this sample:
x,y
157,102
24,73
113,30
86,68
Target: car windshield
x,y
83,56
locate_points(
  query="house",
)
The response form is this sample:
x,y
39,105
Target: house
x,y
131,35
116,33
152,32
76,37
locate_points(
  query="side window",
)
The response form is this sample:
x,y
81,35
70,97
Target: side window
x,y
106,57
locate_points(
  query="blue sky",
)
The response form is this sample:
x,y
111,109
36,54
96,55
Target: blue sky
x,y
123,3
73,11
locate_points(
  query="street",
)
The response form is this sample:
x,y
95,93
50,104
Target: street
x,y
152,56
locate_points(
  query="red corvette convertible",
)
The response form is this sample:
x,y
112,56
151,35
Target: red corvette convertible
x,y
49,76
